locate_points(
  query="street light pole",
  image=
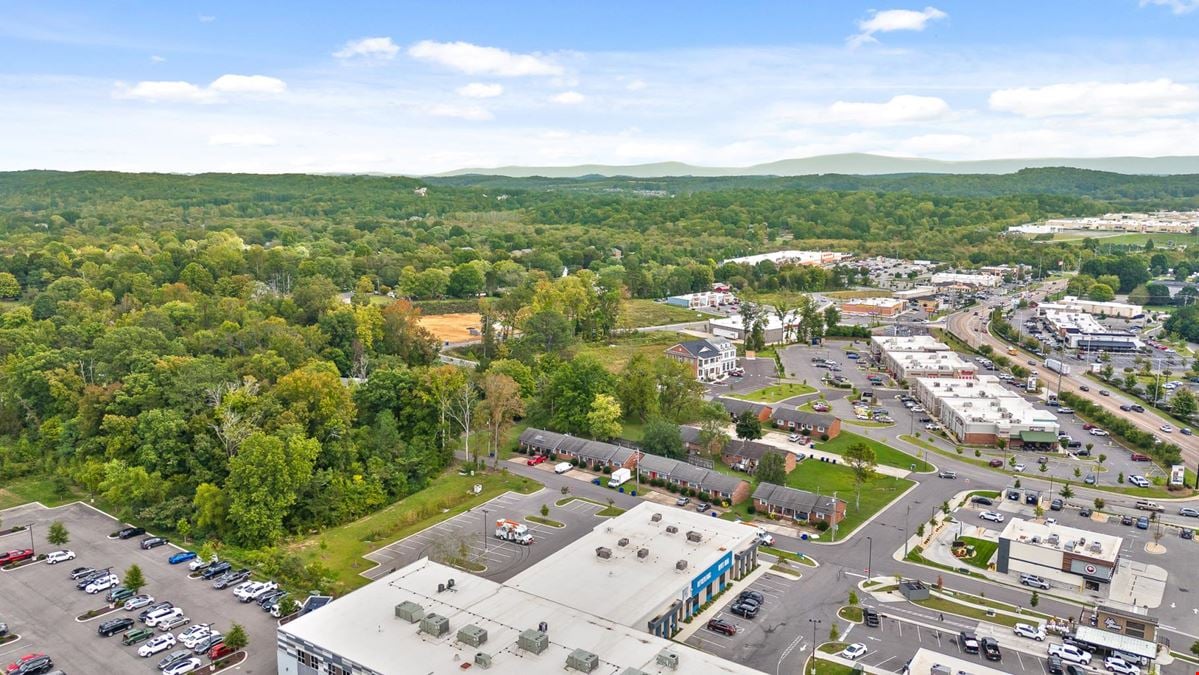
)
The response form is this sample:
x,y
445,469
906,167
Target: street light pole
x,y
905,530
814,622
31,547
869,555
485,512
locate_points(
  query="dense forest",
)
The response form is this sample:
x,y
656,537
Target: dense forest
x,y
219,354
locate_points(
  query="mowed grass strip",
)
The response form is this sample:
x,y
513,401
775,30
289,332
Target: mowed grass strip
x,y
641,313
827,478
884,454
776,392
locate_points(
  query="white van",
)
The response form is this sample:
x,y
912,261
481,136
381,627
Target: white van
x,y
563,467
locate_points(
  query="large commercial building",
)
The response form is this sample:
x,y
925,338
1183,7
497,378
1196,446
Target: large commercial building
x,y
790,258
981,411
1183,222
710,359
605,604
733,328
969,280
701,300
880,344
1066,557
910,365
1081,331
1120,310
873,306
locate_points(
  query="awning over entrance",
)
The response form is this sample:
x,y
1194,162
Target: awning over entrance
x,y
1038,437
1124,643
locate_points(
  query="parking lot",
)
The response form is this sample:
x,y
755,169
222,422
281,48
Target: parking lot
x,y
470,536
759,373
41,602
751,633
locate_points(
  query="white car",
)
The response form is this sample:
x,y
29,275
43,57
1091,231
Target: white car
x,y
1029,631
993,516
1018,468
1118,665
1070,653
199,564
156,644
766,539
180,667
193,635
102,584
164,616
56,557
1099,432
139,601
1166,428
563,467
1139,481
853,652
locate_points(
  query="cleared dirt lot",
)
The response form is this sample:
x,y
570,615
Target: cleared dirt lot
x,y
452,327
41,602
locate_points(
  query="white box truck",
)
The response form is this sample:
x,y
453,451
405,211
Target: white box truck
x,y
1057,366
563,467
619,477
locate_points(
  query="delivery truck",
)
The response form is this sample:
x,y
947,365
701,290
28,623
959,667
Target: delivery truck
x,y
1057,366
619,477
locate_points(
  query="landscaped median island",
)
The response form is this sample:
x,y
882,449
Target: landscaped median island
x,y
984,550
776,392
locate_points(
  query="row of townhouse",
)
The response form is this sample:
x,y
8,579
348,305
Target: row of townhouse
x,y
785,417
741,455
798,505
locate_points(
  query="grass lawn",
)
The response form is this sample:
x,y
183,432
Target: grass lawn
x,y
34,489
826,478
851,295
850,613
867,423
777,392
884,454
994,604
640,313
984,549
951,607
615,354
341,548
544,521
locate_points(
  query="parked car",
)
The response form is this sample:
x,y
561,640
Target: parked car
x,y
219,650
968,641
702,507
1085,512
990,649
153,609
194,634
182,666
181,557
55,557
198,564
158,644
114,626
536,459
682,501
1126,520
170,624
1117,665
995,463
1019,468
136,635
139,601
16,556
870,616
80,572
1139,481
1029,631
1090,479
1071,653
1057,504
205,645
982,501
153,542
745,609
89,578
231,579
1034,581
30,664
101,584
174,656
853,652
1053,665
130,532
213,571
993,516
1143,523
155,619
720,626
120,594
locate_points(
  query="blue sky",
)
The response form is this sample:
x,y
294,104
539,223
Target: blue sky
x,y
426,87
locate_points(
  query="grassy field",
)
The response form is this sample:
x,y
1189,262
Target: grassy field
x,y
884,454
853,295
616,354
826,478
341,548
984,549
777,392
850,613
34,489
639,313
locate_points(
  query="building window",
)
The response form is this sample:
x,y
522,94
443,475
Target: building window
x,y
309,660
335,669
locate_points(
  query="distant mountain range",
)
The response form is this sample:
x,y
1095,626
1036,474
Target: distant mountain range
x,y
852,164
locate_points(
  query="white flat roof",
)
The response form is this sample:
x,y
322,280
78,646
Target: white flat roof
x,y
945,362
917,292
924,659
627,589
362,627
772,319
1071,301
914,343
967,279
1124,643
982,386
1024,531
1005,412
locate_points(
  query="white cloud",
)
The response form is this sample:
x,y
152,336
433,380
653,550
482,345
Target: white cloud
x,y
636,85
1111,99
166,91
568,98
1176,6
370,48
242,140
206,18
477,60
481,90
903,109
157,59
890,20
473,113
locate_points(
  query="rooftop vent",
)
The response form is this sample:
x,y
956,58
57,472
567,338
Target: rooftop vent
x,y
668,659
643,553
655,518
483,660
435,625
671,529
603,552
633,671
623,541
681,565
694,536
410,611
533,641
1096,547
582,661
472,635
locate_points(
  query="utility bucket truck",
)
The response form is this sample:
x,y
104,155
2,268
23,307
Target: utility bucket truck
x,y
510,530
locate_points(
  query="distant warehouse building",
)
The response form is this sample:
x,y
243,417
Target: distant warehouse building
x,y
733,328
1066,557
981,411
873,306
701,300
1082,332
910,365
1120,310
971,280
879,344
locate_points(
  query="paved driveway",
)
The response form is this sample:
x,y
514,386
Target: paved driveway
x,y
41,602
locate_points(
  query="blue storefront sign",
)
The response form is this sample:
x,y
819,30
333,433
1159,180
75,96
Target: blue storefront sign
x,y
704,578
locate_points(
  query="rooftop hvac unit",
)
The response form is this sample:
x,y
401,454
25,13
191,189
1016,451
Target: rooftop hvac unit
x,y
671,529
1096,547
623,541
603,552
533,641
435,625
681,565
633,671
483,660
643,553
472,635
668,659
410,611
582,661
694,536
1053,539
655,518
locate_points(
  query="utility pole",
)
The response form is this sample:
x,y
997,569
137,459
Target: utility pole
x,y
485,512
31,547
869,555
906,513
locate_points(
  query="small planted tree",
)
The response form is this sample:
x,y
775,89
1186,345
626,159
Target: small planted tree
x,y
1067,492
833,633
58,534
853,598
1099,503
134,580
236,638
1035,599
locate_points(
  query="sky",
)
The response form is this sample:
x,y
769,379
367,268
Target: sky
x,y
418,88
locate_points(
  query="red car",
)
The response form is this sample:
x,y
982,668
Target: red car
x,y
14,667
1088,426
219,651
16,556
723,627
536,459
1138,457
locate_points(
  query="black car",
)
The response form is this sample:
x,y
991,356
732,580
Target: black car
x,y
268,598
1136,407
752,595
990,648
215,570
1126,520
208,643
1056,505
153,608
131,532
230,579
1053,665
746,609
1186,533
982,501
33,664
153,542
114,626
1084,512
80,572
870,616
86,579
